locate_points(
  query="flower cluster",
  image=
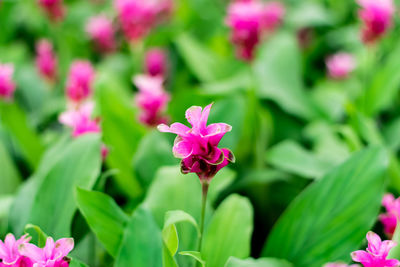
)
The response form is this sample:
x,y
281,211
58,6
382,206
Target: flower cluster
x,y
249,19
377,17
101,31
7,85
156,62
54,9
20,253
389,219
139,17
46,61
376,254
79,83
340,65
198,146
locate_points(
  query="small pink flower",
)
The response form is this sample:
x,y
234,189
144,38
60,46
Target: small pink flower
x,y
249,19
156,62
101,31
79,119
376,253
46,61
340,265
340,65
104,152
9,254
79,83
377,16
139,17
54,9
389,219
52,255
198,146
7,85
151,99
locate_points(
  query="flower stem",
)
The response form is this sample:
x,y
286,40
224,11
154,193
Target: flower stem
x,y
204,189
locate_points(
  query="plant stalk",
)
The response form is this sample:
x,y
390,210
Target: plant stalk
x,y
204,189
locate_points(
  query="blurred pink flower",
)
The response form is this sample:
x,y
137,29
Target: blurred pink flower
x,y
376,253
101,31
340,65
7,85
389,219
46,61
79,119
9,254
340,265
54,9
152,99
198,146
52,255
249,19
156,62
377,16
79,82
139,17
104,152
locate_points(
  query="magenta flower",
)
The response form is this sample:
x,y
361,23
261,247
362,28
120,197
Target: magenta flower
x,y
54,254
376,253
156,62
151,99
377,16
9,254
198,146
79,83
101,31
340,65
54,9
46,61
249,19
389,219
80,121
139,17
7,85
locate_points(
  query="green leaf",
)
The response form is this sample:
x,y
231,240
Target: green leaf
x,y
309,14
229,232
51,189
331,217
77,263
142,243
104,216
261,262
5,204
278,74
38,236
290,156
195,255
10,178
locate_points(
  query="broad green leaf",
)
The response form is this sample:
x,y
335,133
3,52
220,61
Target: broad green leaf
x,y
332,216
5,204
291,157
237,83
104,216
391,132
51,189
121,131
9,175
229,232
15,121
309,14
261,262
277,70
142,242
77,263
195,255
38,236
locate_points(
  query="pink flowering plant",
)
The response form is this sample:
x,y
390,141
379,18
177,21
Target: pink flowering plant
x,y
212,133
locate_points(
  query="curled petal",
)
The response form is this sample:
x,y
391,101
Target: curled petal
x,y
361,256
31,251
182,149
374,242
193,116
63,247
176,128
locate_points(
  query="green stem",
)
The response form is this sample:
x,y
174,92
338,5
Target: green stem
x,y
204,189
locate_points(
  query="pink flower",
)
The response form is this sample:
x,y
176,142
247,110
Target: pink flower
x,y
139,17
54,9
389,219
377,16
104,152
198,146
156,62
249,19
340,65
151,99
79,83
7,86
376,253
340,265
100,30
52,255
80,121
46,61
9,254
